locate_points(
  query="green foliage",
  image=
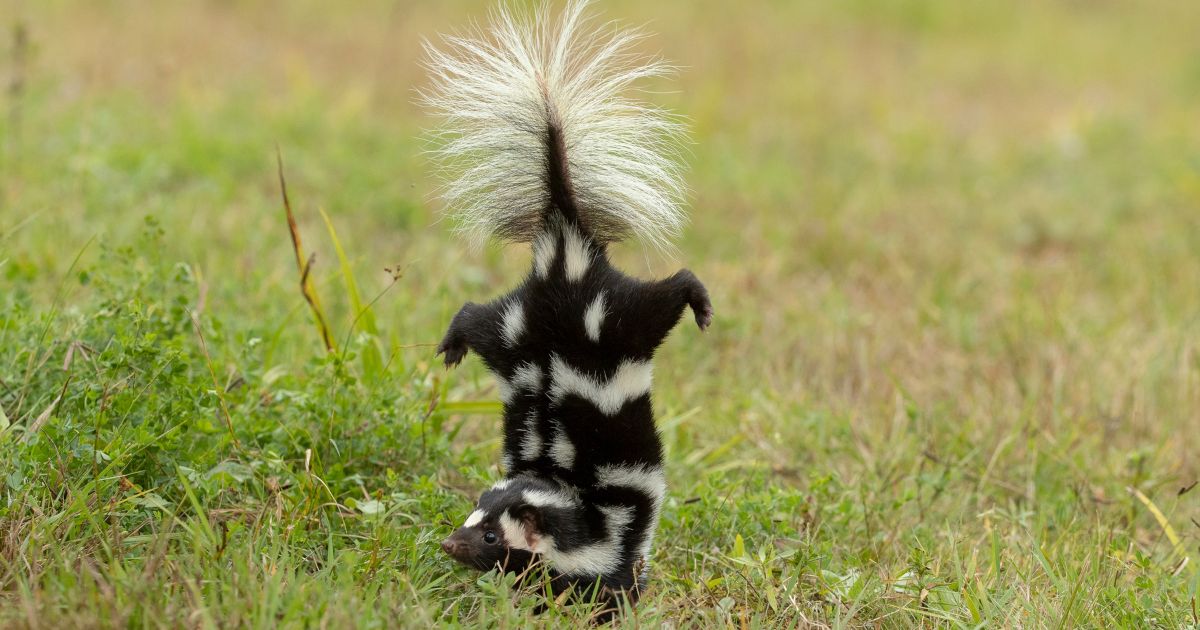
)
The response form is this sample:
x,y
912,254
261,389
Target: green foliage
x,y
120,452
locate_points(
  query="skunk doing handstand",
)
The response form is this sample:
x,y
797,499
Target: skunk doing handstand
x,y
539,145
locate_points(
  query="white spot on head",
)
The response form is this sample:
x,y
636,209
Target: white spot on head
x,y
593,317
475,518
578,252
531,439
502,484
562,451
513,324
544,247
632,379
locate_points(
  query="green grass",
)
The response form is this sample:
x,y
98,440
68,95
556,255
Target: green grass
x,y
954,378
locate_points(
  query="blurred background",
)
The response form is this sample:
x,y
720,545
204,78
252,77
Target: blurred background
x,y
989,205
940,236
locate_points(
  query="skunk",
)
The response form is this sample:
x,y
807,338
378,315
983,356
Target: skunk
x,y
540,145
524,519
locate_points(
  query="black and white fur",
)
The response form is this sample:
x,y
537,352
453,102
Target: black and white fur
x,y
524,518
572,353
540,146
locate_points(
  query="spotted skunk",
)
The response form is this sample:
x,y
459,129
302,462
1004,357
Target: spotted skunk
x,y
539,145
524,518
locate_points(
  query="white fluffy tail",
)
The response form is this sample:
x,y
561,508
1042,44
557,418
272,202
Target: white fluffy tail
x,y
537,120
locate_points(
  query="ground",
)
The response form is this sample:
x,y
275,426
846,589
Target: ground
x,y
953,380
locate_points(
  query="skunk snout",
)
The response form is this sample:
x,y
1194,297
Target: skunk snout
x,y
461,550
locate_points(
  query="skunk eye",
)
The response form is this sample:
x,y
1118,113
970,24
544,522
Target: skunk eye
x,y
489,538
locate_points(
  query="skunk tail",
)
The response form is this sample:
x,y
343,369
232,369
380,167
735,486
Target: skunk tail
x,y
536,122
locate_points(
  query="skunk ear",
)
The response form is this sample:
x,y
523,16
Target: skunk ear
x,y
530,517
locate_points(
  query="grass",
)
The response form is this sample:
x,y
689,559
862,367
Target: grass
x,y
954,380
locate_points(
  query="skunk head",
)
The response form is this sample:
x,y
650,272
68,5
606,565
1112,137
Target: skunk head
x,y
508,528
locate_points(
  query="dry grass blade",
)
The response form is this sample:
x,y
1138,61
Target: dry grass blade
x,y
311,298
304,266
1177,547
44,417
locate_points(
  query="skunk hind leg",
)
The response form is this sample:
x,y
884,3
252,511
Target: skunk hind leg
x,y
457,341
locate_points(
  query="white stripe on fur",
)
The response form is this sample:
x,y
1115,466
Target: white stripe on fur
x,y
544,249
528,377
504,388
513,324
578,253
514,533
632,379
562,451
647,479
593,317
544,498
595,559
531,439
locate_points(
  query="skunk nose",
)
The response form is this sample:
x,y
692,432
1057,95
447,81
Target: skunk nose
x,y
449,546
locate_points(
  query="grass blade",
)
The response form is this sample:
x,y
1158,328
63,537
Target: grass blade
x,y
371,355
1173,536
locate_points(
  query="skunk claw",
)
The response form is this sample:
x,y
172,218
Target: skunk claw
x,y
704,316
454,352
